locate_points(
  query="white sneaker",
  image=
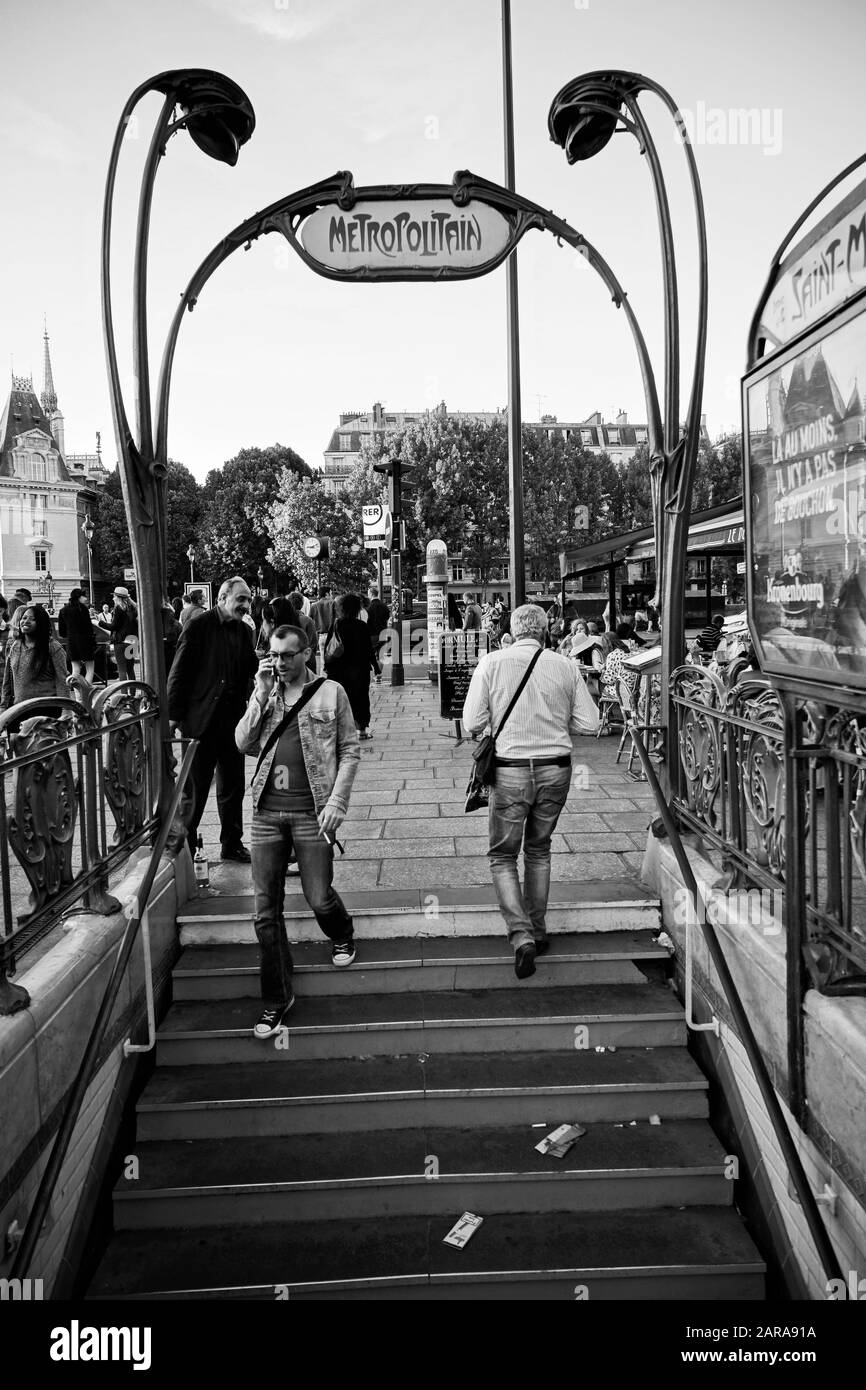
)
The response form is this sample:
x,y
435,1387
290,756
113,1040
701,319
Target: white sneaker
x,y
271,1021
343,953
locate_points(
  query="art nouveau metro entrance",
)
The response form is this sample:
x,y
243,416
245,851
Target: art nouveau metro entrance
x,y
612,975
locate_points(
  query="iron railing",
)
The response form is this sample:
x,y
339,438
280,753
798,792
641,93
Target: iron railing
x,y
87,1066
784,1138
742,761
79,790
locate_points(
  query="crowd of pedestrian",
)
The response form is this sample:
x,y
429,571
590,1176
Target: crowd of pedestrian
x,y
287,680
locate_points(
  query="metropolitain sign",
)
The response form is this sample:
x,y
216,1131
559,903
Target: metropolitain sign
x,y
400,235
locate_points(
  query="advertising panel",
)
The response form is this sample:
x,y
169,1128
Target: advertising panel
x,y
806,520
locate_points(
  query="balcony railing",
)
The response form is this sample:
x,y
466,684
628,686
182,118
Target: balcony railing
x,y
79,793
737,754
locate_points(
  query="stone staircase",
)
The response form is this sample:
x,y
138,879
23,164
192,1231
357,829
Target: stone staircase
x,y
331,1161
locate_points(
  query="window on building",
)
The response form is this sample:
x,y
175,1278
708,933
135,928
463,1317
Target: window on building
x,y
346,443
456,572
38,469
586,436
40,527
613,436
40,561
640,436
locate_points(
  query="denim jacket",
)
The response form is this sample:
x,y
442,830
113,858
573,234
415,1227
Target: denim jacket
x,y
329,741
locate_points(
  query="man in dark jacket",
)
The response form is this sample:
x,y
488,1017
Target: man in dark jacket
x,y
208,688
378,618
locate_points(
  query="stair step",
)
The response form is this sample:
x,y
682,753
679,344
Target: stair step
x,y
593,905
700,1253
326,1097
400,963
214,1031
349,1175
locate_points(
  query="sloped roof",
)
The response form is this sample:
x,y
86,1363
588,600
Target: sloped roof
x,y
23,412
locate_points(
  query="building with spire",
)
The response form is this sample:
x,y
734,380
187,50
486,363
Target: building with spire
x,y
44,494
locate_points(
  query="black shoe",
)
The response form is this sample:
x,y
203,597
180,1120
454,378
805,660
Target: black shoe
x,y
343,953
524,960
271,1020
542,945
238,853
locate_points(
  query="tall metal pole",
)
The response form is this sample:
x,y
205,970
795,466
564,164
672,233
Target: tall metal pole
x,y
515,444
398,675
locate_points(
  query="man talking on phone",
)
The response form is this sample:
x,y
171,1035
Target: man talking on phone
x,y
303,731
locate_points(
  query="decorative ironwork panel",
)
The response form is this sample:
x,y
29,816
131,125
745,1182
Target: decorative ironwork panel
x,y
125,769
760,760
42,828
700,740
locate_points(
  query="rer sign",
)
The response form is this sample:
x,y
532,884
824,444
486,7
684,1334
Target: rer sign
x,y
378,526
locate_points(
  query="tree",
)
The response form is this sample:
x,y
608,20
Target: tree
x,y
636,507
304,509
559,476
718,478
235,519
112,551
183,513
459,490
363,487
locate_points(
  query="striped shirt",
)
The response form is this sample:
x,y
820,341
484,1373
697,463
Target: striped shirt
x,y
553,705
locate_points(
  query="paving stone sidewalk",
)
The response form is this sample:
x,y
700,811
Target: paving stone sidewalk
x,y
406,827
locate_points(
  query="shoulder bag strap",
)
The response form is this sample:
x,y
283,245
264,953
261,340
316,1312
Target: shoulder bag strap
x,y
518,692
286,720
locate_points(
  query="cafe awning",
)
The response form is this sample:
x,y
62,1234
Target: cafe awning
x,y
716,531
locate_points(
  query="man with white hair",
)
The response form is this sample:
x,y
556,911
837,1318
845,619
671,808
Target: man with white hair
x,y
533,769
208,687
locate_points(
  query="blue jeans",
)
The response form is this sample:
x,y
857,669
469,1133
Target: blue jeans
x,y
274,835
525,805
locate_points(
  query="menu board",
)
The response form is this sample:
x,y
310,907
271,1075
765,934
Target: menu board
x,y
806,520
460,653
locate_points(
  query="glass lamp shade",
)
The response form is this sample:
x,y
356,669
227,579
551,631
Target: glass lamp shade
x,y
575,121
220,114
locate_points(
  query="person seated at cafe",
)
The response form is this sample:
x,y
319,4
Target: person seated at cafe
x,y
711,636
613,653
576,633
626,633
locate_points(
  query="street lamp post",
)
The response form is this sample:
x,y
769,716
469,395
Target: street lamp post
x,y
45,585
261,575
583,117
396,474
190,555
88,528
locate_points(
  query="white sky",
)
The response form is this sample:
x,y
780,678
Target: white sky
x,y
273,351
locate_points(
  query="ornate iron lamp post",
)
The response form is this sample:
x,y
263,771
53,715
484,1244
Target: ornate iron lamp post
x,y
584,116
89,529
45,585
190,555
261,574
220,119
